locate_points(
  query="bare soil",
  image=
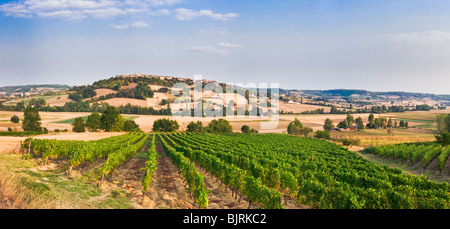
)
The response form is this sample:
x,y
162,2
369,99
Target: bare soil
x,y
167,189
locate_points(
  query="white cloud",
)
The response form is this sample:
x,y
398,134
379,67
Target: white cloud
x,y
209,50
215,16
12,9
80,9
183,14
139,24
230,45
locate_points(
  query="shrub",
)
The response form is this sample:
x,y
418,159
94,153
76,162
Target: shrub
x,y
15,119
195,127
165,125
219,126
131,125
323,134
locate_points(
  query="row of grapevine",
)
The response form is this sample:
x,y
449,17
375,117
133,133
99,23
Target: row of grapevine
x,y
329,176
120,156
414,152
193,178
233,176
79,151
150,166
442,158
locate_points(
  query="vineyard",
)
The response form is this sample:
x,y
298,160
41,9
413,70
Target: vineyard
x,y
268,171
421,154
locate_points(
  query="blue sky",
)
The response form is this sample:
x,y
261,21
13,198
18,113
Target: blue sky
x,y
376,45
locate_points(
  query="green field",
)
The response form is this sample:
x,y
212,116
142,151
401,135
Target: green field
x,y
27,100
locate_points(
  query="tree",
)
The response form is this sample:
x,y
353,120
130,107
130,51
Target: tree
x,y
219,126
109,117
165,125
245,129
195,127
443,138
389,123
31,120
371,124
118,125
343,124
359,122
294,127
20,106
76,97
371,117
94,122
305,131
78,125
402,123
130,125
328,125
297,128
15,119
350,120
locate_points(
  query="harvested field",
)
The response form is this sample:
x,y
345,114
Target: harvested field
x,y
117,102
58,101
299,108
103,91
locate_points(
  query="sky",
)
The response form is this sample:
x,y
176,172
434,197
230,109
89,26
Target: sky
x,y
378,45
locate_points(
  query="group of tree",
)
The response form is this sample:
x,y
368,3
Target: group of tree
x,y
374,123
86,106
443,125
383,122
82,92
382,109
215,126
142,91
297,128
110,121
113,82
37,102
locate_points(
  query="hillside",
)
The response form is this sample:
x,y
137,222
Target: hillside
x,y
37,87
152,94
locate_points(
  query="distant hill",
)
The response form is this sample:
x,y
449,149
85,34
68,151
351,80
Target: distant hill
x,y
35,87
350,92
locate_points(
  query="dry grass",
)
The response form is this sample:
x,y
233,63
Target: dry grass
x,y
299,108
15,195
116,102
58,101
369,138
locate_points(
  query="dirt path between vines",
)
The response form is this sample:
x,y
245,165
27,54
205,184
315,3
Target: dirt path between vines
x,y
167,189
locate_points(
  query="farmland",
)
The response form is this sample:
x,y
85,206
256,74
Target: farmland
x,y
180,170
212,171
